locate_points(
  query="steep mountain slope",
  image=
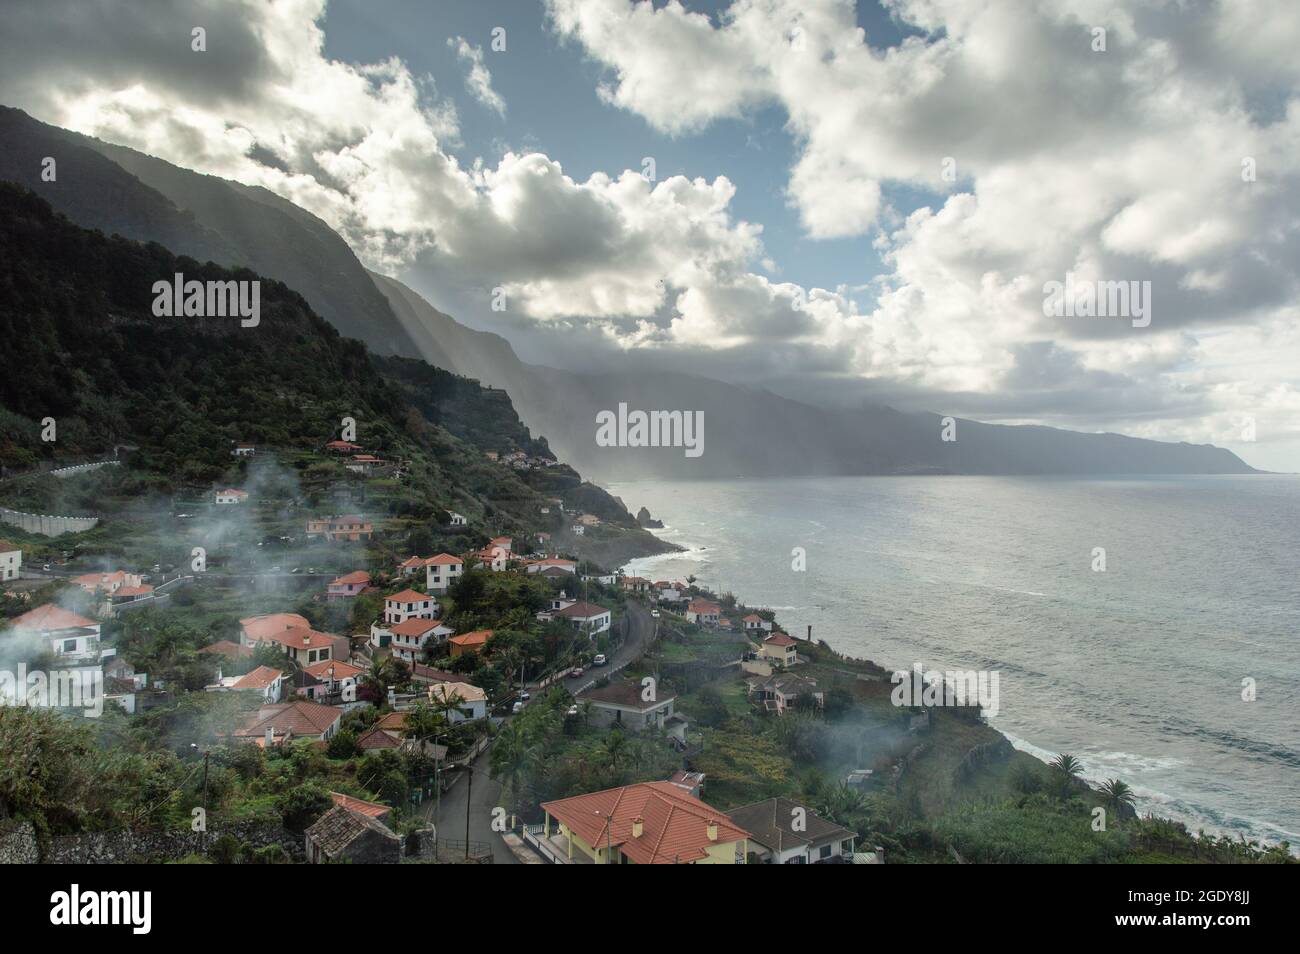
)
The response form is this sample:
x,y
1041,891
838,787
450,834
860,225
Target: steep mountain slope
x,y
119,190
79,343
751,432
747,431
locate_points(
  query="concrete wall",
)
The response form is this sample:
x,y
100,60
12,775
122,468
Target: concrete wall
x,y
46,524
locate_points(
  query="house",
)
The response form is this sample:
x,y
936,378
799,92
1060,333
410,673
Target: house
x,y
623,703
375,810
585,617
456,520
342,447
124,686
284,721
636,584
230,496
703,612
755,624
256,629
299,641
649,823
11,561
265,680
131,594
670,592
409,604
243,450
441,571
495,558
109,582
551,563
505,543
348,585
365,464
588,520
348,527
408,639
780,649
73,639
778,692
471,701
342,835
785,832
337,677
411,566
469,642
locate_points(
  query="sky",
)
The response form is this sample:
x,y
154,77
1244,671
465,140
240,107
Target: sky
x,y
840,202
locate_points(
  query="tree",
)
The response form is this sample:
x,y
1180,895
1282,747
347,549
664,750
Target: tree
x,y
1118,796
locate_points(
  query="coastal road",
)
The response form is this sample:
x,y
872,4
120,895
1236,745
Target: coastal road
x,y
643,629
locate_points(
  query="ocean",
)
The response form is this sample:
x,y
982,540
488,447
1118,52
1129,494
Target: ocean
x,y
1138,669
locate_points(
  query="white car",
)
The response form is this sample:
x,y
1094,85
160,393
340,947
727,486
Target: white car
x,y
517,708
600,660
654,613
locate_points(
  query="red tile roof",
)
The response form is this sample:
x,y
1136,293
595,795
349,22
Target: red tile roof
x,y
356,576
258,627
674,824
342,670
224,647
407,596
300,718
369,809
50,617
477,638
259,678
780,639
414,627
444,559
300,637
705,607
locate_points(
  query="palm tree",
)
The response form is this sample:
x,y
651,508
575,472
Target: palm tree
x,y
1118,795
614,747
377,678
1067,764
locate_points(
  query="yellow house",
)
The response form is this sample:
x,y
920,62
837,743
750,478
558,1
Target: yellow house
x,y
649,823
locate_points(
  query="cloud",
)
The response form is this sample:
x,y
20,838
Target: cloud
x,y
479,79
1122,165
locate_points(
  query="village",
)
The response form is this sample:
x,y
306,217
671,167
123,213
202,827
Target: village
x,y
435,666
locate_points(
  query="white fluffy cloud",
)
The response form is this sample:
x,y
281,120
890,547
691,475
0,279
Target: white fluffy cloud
x,y
1123,164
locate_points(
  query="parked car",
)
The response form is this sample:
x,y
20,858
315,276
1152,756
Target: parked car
x,y
654,613
600,660
525,695
517,708
575,672
573,710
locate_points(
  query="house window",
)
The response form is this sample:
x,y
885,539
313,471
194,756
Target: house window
x,y
825,851
69,646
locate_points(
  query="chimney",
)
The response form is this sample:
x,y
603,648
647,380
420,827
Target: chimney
x,y
270,737
637,828
306,640
712,830
810,632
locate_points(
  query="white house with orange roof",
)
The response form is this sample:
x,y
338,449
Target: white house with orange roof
x,y
470,701
703,612
441,571
585,617
293,633
409,604
73,638
408,639
264,680
109,582
558,563
230,496
337,677
495,558
755,624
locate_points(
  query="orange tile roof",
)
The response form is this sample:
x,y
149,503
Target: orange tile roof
x,y
356,576
300,718
258,627
369,809
407,596
414,627
477,638
259,678
300,637
51,617
674,824
342,670
444,559
705,607
225,647
780,639
391,720
581,610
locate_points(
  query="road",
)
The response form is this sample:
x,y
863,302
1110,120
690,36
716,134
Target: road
x,y
486,796
643,629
